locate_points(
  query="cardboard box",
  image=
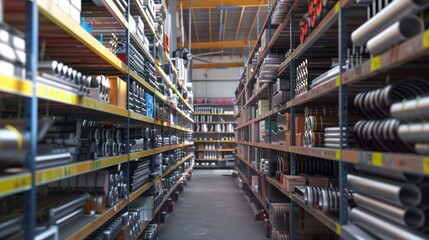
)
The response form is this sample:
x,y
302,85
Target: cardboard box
x,y
290,182
318,181
118,92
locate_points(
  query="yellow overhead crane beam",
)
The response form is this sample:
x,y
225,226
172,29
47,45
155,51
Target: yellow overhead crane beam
x,y
223,3
217,65
224,44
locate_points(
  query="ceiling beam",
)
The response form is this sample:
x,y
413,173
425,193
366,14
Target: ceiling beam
x,y
238,27
210,25
225,3
224,29
218,65
253,25
225,44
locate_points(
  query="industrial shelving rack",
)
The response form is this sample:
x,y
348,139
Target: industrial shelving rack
x,y
201,138
42,19
333,33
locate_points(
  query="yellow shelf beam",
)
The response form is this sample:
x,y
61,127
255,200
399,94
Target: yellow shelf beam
x,y
218,65
224,44
224,3
14,184
61,19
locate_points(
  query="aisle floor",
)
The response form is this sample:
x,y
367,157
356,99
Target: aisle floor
x,y
212,207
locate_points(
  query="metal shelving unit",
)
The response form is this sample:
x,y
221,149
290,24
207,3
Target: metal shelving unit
x,y
42,18
339,21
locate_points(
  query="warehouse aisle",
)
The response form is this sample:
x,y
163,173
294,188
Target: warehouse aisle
x,y
212,207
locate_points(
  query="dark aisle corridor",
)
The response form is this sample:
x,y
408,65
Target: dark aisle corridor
x,y
212,207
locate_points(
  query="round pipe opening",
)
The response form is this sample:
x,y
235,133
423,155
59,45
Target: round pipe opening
x,y
410,26
410,195
414,218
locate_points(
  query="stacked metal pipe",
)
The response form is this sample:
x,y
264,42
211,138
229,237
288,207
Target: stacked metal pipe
x,y
137,98
151,232
414,127
60,209
317,9
280,10
394,23
316,121
267,70
387,204
278,212
316,166
327,199
302,79
281,92
59,75
382,132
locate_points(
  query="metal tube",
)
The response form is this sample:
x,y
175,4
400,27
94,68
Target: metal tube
x,y
393,12
380,227
399,31
415,109
415,132
397,193
408,217
402,176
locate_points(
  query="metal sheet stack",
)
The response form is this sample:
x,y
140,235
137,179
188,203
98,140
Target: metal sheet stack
x,y
12,55
267,70
384,133
138,174
136,98
388,203
149,7
281,92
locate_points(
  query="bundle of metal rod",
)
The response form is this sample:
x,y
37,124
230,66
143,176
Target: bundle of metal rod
x,y
325,77
380,135
384,24
59,210
151,232
137,61
376,104
332,138
327,199
10,225
316,166
61,76
280,10
109,230
12,56
302,78
139,171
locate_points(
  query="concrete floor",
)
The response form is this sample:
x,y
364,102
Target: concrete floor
x,y
212,207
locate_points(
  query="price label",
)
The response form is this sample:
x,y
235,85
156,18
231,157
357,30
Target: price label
x,y
338,229
375,63
338,154
337,81
377,159
426,39
426,165
337,7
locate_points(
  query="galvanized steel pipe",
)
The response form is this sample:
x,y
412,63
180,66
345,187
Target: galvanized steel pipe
x,y
393,12
380,227
397,193
409,217
399,31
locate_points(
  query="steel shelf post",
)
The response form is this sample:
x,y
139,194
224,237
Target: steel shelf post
x,y
342,98
31,114
293,210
